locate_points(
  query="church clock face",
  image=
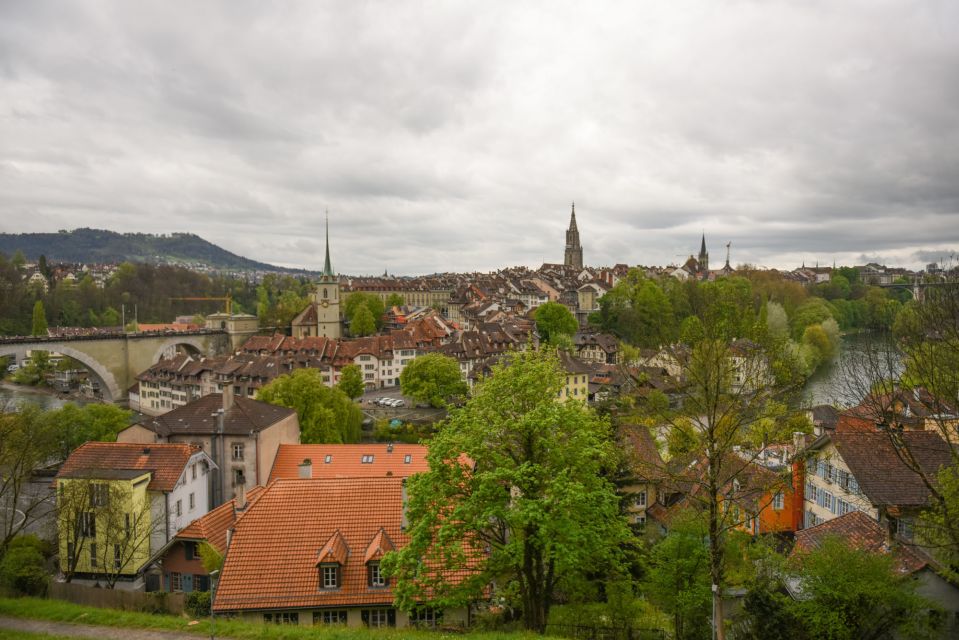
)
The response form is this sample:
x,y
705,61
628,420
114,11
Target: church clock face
x,y
324,303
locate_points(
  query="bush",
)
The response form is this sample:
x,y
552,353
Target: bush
x,y
21,568
198,604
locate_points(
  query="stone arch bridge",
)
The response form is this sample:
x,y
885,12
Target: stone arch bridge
x,y
115,359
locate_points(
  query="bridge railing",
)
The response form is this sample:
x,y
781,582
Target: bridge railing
x,y
106,335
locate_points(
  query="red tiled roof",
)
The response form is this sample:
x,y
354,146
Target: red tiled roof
x,y
276,544
861,532
345,460
212,527
166,461
379,546
335,550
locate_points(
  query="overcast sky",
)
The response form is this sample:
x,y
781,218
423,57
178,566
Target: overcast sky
x,y
448,136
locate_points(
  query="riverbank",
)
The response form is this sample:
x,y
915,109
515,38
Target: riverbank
x,y
13,394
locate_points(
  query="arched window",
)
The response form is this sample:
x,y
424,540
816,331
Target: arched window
x,y
325,294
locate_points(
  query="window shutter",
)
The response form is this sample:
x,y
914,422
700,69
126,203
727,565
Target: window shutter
x,y
365,616
391,617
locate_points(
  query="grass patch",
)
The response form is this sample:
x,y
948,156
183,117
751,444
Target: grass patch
x,y
60,611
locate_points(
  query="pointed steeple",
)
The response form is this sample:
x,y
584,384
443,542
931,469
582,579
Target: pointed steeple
x,y
702,247
572,219
327,267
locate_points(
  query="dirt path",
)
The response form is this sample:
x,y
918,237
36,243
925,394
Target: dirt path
x,y
90,631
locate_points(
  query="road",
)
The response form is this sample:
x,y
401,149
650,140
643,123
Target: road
x,y
89,631
408,413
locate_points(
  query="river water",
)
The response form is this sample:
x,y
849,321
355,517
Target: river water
x,y
12,395
842,381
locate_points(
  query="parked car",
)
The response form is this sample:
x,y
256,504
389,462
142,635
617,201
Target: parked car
x,y
13,368
399,403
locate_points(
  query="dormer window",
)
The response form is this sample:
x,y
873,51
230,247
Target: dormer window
x,y
330,575
376,578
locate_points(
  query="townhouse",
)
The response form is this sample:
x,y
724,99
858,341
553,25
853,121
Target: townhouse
x,y
368,460
241,435
119,503
859,468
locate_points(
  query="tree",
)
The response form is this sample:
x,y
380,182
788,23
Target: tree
x,y
362,323
39,322
554,319
326,415
358,300
75,425
515,492
678,578
394,300
27,442
351,381
22,566
729,409
433,378
867,599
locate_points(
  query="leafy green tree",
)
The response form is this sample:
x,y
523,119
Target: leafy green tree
x,y
22,567
362,323
75,425
866,599
678,578
813,311
394,300
326,415
554,319
691,331
210,557
39,322
35,370
433,378
358,300
514,484
351,381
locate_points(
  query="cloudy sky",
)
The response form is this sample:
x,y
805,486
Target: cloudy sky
x,y
454,135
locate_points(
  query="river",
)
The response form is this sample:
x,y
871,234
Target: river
x,y
831,384
12,395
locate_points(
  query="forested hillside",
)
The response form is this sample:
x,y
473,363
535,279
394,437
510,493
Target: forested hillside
x,y
101,246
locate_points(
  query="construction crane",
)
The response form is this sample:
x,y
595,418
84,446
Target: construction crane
x,y
226,299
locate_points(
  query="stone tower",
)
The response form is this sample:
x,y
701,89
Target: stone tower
x,y
328,296
574,251
703,257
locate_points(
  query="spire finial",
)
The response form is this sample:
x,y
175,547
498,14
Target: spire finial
x,y
327,266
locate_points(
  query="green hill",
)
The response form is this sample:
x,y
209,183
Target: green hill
x,y
101,246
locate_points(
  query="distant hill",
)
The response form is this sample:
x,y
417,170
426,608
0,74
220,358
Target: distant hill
x,y
98,245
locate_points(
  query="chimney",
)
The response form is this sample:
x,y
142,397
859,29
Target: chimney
x,y
389,448
891,527
239,503
306,469
229,537
227,397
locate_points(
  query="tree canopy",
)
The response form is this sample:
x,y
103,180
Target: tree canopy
x,y
326,414
516,473
351,381
433,378
358,300
553,320
363,323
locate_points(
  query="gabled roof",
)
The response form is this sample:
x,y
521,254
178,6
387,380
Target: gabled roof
x,y
276,545
642,452
213,526
379,546
346,460
335,550
197,417
860,531
165,461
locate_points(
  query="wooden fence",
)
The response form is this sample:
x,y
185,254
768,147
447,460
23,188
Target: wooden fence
x,y
155,602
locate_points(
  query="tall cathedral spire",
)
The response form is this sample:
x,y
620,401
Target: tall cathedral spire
x,y
327,266
574,251
703,256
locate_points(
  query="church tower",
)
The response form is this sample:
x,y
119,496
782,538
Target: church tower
x,y
703,257
328,296
574,251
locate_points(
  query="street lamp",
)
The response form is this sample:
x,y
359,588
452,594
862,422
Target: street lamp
x,y
213,577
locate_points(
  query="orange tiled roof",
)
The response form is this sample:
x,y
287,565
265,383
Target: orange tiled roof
x,y
276,544
345,460
212,527
166,461
379,546
335,550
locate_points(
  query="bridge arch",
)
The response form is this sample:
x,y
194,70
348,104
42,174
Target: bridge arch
x,y
108,383
196,346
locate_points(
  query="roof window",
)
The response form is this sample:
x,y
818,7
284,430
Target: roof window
x,y
367,458
328,459
407,459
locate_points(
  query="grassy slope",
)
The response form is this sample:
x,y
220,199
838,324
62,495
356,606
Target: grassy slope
x,y
59,611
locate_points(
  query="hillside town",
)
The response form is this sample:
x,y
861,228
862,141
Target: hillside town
x,y
284,478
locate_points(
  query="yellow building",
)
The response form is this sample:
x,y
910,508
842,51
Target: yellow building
x,y
120,503
577,378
